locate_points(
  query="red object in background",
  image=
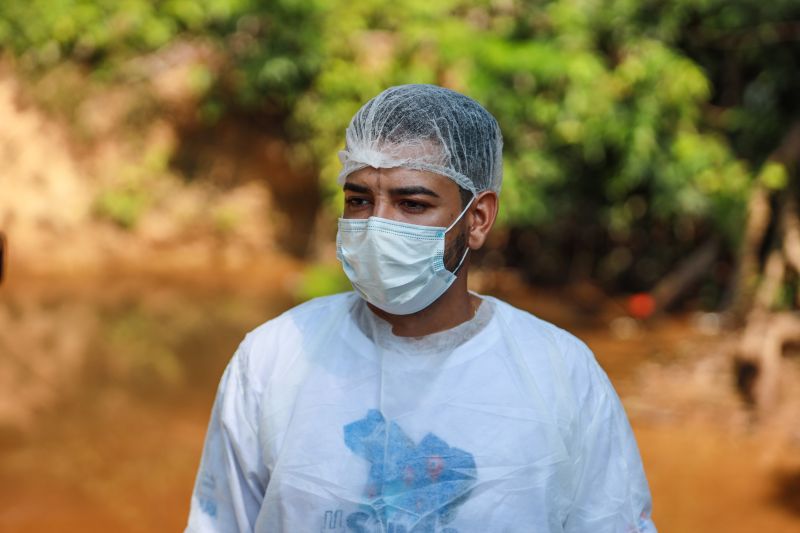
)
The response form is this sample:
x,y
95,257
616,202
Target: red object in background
x,y
641,305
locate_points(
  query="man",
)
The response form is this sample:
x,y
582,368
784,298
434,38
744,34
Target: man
x,y
411,404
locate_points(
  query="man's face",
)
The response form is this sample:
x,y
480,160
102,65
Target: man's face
x,y
412,196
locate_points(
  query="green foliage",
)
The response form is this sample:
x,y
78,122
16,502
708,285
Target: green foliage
x,y
269,49
225,219
774,176
617,115
320,280
126,200
140,353
666,106
123,206
598,101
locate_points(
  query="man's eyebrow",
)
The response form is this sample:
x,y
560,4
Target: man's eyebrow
x,y
412,190
355,188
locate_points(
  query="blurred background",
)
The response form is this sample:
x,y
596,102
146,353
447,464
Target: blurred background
x,y
167,183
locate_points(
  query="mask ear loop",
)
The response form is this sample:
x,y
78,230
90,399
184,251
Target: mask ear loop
x,y
461,214
466,250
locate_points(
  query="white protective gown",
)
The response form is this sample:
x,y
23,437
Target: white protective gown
x,y
326,422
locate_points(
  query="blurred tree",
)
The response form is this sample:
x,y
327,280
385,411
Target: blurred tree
x,y
270,48
610,164
638,132
233,68
750,50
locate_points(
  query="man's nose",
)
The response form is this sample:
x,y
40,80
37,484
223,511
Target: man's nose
x,y
382,208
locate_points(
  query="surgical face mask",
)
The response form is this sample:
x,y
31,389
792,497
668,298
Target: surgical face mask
x,y
395,266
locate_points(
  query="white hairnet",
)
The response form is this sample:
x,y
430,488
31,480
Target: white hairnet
x,y
425,127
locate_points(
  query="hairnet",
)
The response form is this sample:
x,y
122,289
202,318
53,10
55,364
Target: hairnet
x,y
425,127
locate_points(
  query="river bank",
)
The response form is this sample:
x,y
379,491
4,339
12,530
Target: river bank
x,y
108,385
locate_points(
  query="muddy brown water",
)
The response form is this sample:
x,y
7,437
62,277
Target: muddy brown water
x,y
106,388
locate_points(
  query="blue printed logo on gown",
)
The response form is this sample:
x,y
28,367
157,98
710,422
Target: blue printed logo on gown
x,y
412,488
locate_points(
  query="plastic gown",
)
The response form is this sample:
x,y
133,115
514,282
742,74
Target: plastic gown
x,y
325,421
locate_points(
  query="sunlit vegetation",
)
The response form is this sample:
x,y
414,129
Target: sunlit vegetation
x,y
645,140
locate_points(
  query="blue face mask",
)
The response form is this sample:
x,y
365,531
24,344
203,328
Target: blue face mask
x,y
395,266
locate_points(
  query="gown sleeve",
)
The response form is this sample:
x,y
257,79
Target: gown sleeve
x,y
611,491
231,481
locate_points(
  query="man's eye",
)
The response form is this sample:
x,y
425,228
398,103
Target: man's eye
x,y
356,201
412,205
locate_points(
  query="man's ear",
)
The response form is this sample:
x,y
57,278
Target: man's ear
x,y
482,215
